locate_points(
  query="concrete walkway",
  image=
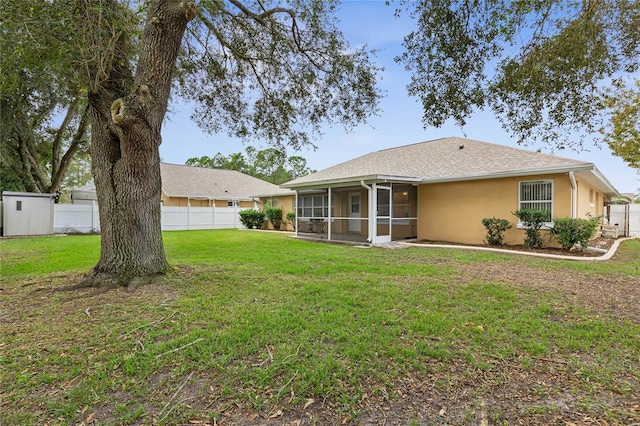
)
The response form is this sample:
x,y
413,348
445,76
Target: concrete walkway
x,y
604,257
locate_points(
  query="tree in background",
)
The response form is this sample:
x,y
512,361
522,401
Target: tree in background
x,y
37,84
541,66
271,165
623,133
269,70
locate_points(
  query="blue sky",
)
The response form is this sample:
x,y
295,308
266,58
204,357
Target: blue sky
x,y
371,22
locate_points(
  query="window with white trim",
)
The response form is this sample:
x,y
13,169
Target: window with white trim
x,y
313,206
536,195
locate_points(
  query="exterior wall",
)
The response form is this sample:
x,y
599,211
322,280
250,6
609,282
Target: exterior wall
x,y
286,203
453,211
590,200
180,202
194,202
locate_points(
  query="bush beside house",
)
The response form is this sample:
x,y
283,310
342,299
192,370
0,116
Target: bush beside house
x,y
574,231
252,219
495,230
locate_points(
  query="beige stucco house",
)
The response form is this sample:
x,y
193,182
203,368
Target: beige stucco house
x,y
187,186
205,187
440,190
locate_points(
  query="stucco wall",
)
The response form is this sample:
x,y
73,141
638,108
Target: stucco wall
x,y
453,211
590,201
184,202
285,203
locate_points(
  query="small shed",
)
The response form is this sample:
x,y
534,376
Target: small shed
x,y
27,213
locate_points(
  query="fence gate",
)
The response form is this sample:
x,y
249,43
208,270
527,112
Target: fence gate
x,y
626,217
634,220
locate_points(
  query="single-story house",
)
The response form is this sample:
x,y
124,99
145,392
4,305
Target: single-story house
x,y
184,186
441,190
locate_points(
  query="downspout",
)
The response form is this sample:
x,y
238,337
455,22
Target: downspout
x,y
574,196
370,211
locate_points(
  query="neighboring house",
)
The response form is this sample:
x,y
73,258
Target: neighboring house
x,y
205,187
184,186
441,190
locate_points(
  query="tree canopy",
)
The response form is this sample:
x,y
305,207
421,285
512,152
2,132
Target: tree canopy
x,y
543,67
271,165
38,83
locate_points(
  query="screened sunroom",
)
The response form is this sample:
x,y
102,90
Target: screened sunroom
x,y
374,212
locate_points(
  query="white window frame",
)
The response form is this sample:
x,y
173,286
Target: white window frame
x,y
549,224
318,203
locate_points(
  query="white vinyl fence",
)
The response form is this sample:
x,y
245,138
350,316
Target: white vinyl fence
x,y
84,218
186,218
627,218
76,218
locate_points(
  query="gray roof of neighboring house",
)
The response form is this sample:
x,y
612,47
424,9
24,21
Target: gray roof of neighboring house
x,y
188,181
201,182
444,160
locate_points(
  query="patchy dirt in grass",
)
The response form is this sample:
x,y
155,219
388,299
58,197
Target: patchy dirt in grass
x,y
548,390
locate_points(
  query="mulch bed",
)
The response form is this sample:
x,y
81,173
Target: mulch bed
x,y
600,243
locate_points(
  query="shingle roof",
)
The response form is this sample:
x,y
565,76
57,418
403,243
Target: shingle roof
x,y
179,180
442,160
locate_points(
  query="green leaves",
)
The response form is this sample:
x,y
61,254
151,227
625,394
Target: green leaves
x,y
276,74
571,231
623,133
271,165
538,64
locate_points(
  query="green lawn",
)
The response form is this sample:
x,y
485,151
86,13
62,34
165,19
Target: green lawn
x,y
253,325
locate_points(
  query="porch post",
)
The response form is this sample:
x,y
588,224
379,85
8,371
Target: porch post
x,y
295,208
329,215
373,213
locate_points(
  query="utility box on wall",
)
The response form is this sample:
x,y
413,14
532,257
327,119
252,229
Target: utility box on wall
x,y
27,213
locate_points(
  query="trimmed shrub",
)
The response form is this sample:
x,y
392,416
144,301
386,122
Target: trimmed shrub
x,y
495,228
274,215
252,218
571,231
533,221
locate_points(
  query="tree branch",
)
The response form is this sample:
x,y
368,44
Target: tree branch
x,y
56,146
76,142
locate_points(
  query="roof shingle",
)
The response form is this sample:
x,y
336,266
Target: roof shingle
x,y
443,159
182,181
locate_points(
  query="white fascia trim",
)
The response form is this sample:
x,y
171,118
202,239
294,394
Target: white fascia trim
x,y
276,194
352,181
516,173
605,181
209,197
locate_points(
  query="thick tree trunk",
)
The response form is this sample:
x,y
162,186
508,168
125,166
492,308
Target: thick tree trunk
x,y
126,119
126,172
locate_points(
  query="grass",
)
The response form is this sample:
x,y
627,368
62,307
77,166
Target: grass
x,y
264,322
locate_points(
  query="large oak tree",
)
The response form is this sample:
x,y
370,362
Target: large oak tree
x,y
273,70
555,71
